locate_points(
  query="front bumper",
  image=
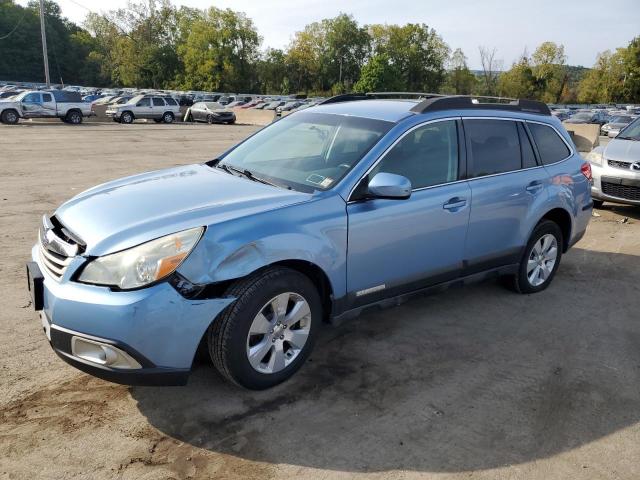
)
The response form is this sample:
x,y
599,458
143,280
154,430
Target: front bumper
x,y
155,326
619,176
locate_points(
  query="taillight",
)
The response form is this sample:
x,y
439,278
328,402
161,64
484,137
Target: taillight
x,y
586,171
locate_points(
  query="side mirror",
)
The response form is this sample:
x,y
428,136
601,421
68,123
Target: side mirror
x,y
390,185
613,133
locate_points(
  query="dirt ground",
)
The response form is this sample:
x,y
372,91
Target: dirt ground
x,y
472,383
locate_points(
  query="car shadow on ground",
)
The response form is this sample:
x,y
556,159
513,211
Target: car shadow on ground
x,y
468,379
629,211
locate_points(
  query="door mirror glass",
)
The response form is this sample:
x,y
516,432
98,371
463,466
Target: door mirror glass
x,y
389,185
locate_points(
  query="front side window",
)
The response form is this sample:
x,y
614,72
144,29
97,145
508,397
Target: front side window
x,y
427,155
307,151
31,98
493,145
144,102
158,102
551,147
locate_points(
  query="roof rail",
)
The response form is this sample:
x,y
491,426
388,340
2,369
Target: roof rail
x,y
348,97
458,102
345,97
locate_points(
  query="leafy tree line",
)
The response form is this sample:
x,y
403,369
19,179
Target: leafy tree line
x,y
154,44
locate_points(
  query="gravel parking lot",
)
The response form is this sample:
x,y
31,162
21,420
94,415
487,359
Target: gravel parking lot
x,y
471,383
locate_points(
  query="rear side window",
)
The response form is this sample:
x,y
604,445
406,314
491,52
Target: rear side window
x,y
158,102
528,157
494,146
551,147
46,97
170,101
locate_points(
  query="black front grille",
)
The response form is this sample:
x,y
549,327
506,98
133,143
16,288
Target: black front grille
x,y
628,192
617,164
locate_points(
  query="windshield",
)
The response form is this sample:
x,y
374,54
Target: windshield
x,y
621,119
631,131
214,106
307,151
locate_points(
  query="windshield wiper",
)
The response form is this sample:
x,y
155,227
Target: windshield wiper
x,y
247,174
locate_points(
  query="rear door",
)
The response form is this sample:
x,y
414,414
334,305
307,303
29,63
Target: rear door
x,y
507,184
158,107
48,105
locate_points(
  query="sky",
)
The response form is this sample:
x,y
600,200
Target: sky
x,y
584,27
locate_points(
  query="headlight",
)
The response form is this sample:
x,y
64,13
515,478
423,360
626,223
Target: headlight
x,y
595,157
144,264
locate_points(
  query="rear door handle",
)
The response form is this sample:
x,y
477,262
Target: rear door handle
x,y
534,187
454,204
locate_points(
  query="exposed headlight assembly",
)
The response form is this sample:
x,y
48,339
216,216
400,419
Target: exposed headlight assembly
x,y
144,264
595,157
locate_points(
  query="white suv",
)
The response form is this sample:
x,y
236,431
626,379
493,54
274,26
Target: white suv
x,y
160,109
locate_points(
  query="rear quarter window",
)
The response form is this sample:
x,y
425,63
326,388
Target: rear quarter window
x,y
551,147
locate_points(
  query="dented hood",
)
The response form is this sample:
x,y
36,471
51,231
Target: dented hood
x,y
133,210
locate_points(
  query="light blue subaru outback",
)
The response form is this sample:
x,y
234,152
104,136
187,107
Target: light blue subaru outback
x,y
353,203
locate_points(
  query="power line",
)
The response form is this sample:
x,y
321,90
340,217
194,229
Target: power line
x,y
24,13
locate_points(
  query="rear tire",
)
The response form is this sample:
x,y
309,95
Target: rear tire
x,y
253,345
10,117
74,117
540,260
168,117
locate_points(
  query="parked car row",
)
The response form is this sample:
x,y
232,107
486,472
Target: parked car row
x,y
66,106
611,120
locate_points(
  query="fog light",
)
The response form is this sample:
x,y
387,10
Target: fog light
x,y
102,354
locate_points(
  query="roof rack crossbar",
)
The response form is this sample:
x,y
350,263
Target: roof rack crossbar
x,y
459,102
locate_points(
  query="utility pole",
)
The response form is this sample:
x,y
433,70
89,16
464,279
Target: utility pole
x,y
44,45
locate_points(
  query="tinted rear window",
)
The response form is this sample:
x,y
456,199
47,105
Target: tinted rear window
x,y
158,102
494,146
170,101
551,147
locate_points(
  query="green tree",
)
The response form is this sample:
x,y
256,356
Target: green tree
x,y
519,81
459,79
549,70
416,51
220,52
378,75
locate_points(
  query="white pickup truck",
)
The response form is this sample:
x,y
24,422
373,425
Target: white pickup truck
x,y
66,106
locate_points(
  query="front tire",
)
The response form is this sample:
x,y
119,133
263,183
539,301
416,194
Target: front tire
x,y
10,117
541,259
126,117
266,335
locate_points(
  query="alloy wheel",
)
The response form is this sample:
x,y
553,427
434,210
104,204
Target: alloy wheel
x,y
278,332
542,259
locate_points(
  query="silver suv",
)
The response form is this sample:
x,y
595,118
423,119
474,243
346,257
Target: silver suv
x,y
160,109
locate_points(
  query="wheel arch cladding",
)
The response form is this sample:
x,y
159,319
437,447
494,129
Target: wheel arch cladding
x,y
563,219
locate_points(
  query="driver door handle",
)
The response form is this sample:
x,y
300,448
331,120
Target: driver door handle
x,y
454,204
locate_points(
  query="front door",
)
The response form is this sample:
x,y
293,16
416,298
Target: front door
x,y
401,245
